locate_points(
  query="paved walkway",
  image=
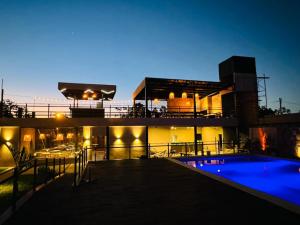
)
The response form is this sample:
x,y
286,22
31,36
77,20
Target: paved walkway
x,y
147,192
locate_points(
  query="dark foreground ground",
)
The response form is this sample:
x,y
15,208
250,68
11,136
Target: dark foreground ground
x,y
147,192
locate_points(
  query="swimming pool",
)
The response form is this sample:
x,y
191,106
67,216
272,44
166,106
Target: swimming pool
x,y
273,176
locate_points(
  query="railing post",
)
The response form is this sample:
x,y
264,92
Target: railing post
x,y
185,149
95,155
75,170
59,161
46,168
64,164
48,110
53,167
34,174
15,189
129,151
79,165
168,149
148,152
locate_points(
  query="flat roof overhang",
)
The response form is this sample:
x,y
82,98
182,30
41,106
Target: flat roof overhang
x,y
79,91
77,122
159,88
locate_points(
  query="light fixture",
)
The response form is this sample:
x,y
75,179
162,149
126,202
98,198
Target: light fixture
x,y
59,137
42,136
85,96
27,138
184,95
196,95
89,91
171,95
107,92
94,95
59,116
70,135
156,101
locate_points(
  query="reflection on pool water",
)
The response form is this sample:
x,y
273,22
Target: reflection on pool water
x,y
274,176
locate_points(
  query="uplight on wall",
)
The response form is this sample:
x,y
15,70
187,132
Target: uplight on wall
x,y
70,135
155,101
171,95
196,95
59,137
27,138
42,136
184,95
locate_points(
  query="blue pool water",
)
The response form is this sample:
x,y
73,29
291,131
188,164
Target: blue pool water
x,y
273,176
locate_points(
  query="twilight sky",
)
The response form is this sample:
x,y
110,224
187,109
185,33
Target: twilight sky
x,y
121,42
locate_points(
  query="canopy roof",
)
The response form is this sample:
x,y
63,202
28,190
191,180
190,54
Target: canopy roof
x,y
87,91
160,88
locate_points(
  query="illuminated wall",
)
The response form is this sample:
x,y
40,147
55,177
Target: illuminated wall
x,y
182,105
210,137
165,135
121,137
9,137
27,140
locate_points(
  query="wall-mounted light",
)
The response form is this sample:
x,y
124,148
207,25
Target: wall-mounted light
x,y
59,137
184,95
85,96
27,138
94,96
171,95
59,116
42,136
196,95
155,101
70,135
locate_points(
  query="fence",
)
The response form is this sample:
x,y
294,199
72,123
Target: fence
x,y
164,150
80,163
40,110
27,178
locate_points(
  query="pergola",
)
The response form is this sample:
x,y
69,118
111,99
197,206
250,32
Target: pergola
x,y
160,88
79,91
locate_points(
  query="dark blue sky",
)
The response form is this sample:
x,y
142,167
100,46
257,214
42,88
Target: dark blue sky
x,y
121,42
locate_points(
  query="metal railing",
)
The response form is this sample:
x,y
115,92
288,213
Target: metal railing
x,y
165,150
40,110
80,164
27,178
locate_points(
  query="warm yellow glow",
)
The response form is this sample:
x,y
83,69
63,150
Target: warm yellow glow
x,y
137,131
70,135
94,95
188,103
155,101
85,96
137,142
8,133
184,95
171,95
42,136
27,138
118,142
86,133
196,95
298,151
9,144
118,131
59,137
86,143
59,116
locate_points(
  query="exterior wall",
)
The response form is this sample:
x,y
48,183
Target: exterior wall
x,y
122,137
210,137
182,105
284,141
9,138
177,137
